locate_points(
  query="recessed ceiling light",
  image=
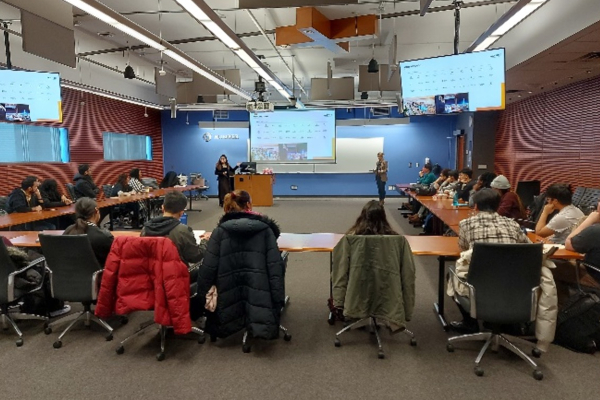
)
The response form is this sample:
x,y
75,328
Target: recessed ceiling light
x,y
106,34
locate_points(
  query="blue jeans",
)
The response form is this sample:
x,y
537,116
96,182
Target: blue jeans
x,y
381,189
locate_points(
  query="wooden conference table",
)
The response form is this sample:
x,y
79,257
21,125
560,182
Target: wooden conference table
x,y
23,218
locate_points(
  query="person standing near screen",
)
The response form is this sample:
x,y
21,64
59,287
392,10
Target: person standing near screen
x,y
224,174
381,176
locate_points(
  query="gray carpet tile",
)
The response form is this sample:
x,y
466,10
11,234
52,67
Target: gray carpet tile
x,y
308,367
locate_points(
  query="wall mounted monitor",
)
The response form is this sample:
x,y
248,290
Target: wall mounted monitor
x,y
293,136
29,96
454,84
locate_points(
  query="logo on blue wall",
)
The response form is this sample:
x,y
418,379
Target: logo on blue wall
x,y
207,136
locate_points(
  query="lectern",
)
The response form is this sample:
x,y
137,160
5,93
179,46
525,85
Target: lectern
x,y
260,188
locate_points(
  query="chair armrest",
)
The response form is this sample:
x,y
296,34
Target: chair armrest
x,y
451,269
11,278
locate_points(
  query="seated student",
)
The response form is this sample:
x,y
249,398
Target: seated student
x,y
86,223
558,197
510,203
135,181
483,182
170,180
182,235
51,196
487,227
120,188
417,218
244,264
466,183
84,184
27,198
426,177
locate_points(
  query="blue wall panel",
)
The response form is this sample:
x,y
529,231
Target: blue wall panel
x,y
185,151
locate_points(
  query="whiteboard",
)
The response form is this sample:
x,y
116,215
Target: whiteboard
x,y
353,155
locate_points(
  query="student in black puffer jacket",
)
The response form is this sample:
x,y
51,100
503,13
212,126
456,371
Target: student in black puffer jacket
x,y
244,263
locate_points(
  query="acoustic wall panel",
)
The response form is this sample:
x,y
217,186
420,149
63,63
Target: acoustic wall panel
x,y
47,39
166,85
552,137
339,89
58,11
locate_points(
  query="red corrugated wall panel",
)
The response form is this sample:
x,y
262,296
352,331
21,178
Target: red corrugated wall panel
x,y
86,116
552,137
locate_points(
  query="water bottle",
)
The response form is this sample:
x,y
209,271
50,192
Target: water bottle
x,y
455,200
183,218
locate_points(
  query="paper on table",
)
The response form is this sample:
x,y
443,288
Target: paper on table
x,y
197,234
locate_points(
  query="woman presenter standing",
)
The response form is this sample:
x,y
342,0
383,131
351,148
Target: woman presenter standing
x,y
381,176
224,174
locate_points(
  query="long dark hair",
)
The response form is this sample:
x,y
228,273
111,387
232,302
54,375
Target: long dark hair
x,y
85,209
218,165
372,221
135,173
50,188
122,180
237,200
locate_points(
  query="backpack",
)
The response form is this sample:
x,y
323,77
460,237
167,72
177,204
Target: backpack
x,y
578,323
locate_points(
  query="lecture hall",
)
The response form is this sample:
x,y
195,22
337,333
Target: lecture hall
x,y
300,199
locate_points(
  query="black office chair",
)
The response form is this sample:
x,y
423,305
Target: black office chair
x,y
8,296
353,265
527,190
3,203
75,277
578,195
589,200
71,191
503,284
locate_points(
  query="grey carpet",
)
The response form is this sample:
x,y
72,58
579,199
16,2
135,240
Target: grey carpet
x,y
308,367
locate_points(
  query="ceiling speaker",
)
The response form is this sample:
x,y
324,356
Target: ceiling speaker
x,y
373,66
129,73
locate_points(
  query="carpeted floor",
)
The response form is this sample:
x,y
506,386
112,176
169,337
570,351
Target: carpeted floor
x,y
308,367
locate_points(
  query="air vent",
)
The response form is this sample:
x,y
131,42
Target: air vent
x,y
511,91
221,114
381,111
594,55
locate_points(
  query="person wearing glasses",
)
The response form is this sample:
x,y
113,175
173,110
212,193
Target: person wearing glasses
x,y
559,198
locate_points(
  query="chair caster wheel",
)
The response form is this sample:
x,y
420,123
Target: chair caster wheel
x,y
380,355
160,356
287,337
537,353
538,375
413,342
450,348
19,342
478,371
337,342
246,348
57,344
201,340
124,320
120,350
47,330
109,337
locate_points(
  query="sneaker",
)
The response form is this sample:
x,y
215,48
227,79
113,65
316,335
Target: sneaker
x,y
60,311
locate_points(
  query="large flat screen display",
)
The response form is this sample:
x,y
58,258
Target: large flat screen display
x,y
294,136
454,84
28,96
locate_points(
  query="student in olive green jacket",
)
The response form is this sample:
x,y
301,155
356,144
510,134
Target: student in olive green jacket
x,y
373,270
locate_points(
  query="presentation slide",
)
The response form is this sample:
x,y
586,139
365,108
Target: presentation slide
x,y
454,84
28,96
294,136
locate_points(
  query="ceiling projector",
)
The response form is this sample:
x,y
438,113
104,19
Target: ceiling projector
x,y
259,106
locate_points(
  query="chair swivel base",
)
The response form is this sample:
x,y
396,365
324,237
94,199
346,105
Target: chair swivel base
x,y
8,319
86,316
374,329
247,346
496,340
144,327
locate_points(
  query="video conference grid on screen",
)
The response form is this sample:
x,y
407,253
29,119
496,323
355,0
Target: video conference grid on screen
x,y
293,136
453,84
29,96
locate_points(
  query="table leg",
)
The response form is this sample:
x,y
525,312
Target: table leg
x,y
439,306
190,208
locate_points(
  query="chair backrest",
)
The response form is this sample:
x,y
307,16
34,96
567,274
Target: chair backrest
x,y
589,200
505,277
73,265
107,190
526,190
3,205
71,191
6,267
578,195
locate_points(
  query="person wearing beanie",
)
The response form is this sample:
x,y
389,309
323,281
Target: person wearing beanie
x,y
510,203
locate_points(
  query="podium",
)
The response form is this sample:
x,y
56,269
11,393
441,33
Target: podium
x,y
260,188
